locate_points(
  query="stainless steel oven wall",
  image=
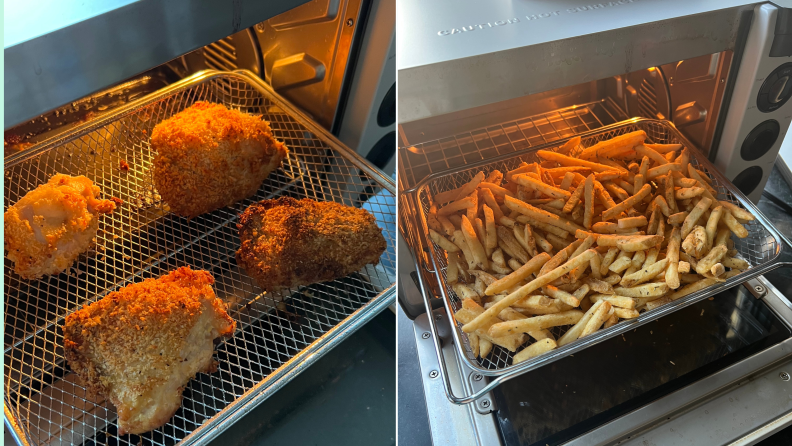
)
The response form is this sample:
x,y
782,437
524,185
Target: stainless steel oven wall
x,y
471,53
758,115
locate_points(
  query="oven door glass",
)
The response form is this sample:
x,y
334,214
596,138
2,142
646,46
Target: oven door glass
x,y
570,397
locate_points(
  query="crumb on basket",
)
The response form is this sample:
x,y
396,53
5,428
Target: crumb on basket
x,y
124,166
117,201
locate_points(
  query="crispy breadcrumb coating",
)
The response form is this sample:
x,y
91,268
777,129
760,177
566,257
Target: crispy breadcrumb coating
x,y
209,157
287,243
48,229
141,345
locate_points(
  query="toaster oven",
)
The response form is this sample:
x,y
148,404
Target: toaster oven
x,y
102,75
497,82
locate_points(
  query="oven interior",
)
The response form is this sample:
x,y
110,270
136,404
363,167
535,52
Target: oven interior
x,y
557,403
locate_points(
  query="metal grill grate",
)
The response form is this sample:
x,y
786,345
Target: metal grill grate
x,y
419,161
277,334
761,248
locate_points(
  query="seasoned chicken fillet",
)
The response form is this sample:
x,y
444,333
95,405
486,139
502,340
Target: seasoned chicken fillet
x,y
141,345
287,243
208,157
48,229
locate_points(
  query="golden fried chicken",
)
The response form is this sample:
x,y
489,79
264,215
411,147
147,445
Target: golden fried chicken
x,y
287,243
208,157
48,229
141,345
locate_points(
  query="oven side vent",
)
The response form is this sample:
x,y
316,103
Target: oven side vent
x,y
647,100
221,55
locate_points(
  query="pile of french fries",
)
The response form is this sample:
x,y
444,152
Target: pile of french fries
x,y
583,241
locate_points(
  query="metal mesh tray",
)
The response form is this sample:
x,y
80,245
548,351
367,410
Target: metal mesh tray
x,y
278,335
761,248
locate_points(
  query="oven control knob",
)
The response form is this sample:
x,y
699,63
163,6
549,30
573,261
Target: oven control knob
x,y
760,140
776,89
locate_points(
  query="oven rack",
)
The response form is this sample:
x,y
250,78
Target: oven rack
x,y
278,334
762,249
421,160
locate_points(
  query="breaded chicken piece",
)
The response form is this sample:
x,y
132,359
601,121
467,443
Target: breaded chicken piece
x,y
208,157
287,243
48,229
141,345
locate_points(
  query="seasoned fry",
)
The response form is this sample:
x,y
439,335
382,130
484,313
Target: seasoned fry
x,y
597,319
465,292
696,242
599,286
735,226
645,274
528,288
655,172
646,290
677,219
459,205
624,313
555,230
622,262
476,248
694,216
664,148
630,243
610,213
561,295
699,285
541,215
491,241
518,275
662,204
512,246
490,201
588,205
714,256
653,155
735,263
632,222
717,269
565,160
615,300
672,256
652,304
459,240
688,192
542,322
737,211
442,241
539,186
534,350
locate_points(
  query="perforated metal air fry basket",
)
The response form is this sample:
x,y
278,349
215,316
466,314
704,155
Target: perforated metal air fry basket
x,y
761,248
278,335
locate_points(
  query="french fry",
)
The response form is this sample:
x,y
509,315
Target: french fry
x,y
722,237
541,215
655,156
459,240
614,145
490,200
465,292
543,226
460,205
714,256
528,288
537,185
542,322
481,233
485,346
495,177
491,240
664,148
645,290
735,226
624,313
672,256
588,198
460,192
596,265
698,285
682,268
712,225
717,269
630,243
597,319
735,263
662,205
613,320
696,242
495,189
518,275
615,300
442,241
476,248
446,224
512,246
561,295
630,202
632,222
534,350
573,333
737,211
677,219
670,194
655,172
470,312
644,274
598,286
688,192
565,160
694,215
574,199
622,262
608,259
652,304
